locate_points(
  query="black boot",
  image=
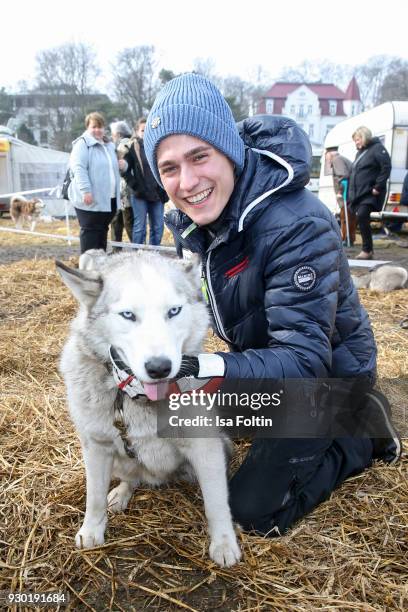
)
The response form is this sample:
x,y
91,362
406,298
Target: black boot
x,y
385,438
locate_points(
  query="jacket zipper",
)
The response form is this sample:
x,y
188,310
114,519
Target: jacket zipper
x,y
210,293
207,282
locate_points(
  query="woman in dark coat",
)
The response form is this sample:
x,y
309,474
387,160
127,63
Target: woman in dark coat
x,y
368,184
147,198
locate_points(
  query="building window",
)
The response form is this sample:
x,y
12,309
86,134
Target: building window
x,y
44,137
30,121
43,121
269,107
301,110
328,128
310,109
332,107
311,130
292,109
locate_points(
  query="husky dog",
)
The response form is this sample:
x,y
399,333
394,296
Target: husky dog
x,y
22,210
385,278
150,310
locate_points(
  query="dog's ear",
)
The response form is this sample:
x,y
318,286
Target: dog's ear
x,y
192,266
85,286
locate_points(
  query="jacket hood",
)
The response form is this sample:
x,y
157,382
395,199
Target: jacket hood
x,y
277,159
285,150
373,141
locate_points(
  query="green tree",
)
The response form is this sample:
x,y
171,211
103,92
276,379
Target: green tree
x,y
6,106
24,133
166,75
112,111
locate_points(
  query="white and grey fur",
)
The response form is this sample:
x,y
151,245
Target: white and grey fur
x,y
384,278
148,285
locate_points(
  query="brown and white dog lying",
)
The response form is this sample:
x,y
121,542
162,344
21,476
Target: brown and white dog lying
x,y
22,210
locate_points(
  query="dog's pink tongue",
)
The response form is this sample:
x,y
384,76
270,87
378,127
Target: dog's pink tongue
x,y
156,391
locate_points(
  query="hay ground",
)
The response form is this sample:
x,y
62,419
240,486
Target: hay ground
x,y
349,554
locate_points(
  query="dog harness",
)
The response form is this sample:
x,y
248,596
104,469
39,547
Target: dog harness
x,y
127,383
124,377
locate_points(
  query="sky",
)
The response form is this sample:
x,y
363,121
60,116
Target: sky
x,y
239,35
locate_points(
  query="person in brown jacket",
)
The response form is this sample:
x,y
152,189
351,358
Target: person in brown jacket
x,y
341,168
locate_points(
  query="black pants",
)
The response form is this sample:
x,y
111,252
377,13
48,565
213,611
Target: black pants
x,y
362,212
281,480
94,227
123,219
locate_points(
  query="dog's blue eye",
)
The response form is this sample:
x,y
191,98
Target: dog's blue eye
x,y
128,315
173,312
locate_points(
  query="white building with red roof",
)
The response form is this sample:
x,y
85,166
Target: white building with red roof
x,y
316,107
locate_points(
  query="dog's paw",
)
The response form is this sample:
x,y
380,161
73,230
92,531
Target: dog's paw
x,y
88,538
119,497
225,551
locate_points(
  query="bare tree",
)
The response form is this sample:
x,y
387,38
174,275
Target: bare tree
x,y
70,68
206,67
318,71
395,84
65,79
372,75
134,77
239,95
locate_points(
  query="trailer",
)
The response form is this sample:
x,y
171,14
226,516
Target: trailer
x,y
389,122
29,169
315,169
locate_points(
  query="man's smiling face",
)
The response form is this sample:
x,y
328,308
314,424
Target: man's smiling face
x,y
198,178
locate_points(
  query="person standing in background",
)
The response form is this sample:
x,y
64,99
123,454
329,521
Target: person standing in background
x,y
368,184
146,196
341,168
95,186
121,133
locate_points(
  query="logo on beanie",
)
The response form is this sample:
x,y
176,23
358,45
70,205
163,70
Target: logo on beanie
x,y
155,122
304,278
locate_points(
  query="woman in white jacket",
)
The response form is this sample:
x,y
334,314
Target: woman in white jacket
x,y
95,186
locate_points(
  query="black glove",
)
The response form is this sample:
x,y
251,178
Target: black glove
x,y
190,366
206,365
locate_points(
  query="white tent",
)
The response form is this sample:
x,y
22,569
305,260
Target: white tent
x,y
25,167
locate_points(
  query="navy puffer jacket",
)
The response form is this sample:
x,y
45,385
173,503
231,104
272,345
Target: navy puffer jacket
x,y
277,278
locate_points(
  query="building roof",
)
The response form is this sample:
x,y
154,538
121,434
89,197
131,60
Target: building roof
x,y
323,90
353,91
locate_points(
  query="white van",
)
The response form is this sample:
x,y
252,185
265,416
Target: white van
x,y
389,122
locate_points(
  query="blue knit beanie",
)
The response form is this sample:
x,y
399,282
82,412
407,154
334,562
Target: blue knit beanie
x,y
191,104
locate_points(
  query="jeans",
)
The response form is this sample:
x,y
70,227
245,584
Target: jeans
x,y
142,209
94,227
